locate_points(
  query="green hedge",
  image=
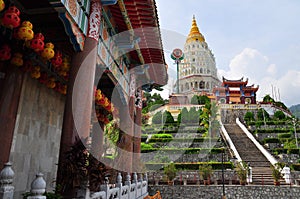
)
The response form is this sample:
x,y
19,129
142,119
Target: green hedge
x,y
273,130
190,166
184,151
145,146
285,135
271,140
293,151
280,151
164,135
295,167
194,140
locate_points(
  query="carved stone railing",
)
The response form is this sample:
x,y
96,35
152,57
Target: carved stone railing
x,y
137,189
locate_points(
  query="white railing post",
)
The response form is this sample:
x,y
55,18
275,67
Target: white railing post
x,y
38,187
119,184
105,187
6,179
135,183
128,183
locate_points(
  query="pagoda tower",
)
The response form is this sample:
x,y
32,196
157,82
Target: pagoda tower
x,y
197,71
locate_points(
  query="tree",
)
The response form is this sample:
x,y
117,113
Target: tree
x,y
156,119
279,115
153,102
195,100
268,98
249,116
262,114
170,171
184,115
203,99
168,118
193,115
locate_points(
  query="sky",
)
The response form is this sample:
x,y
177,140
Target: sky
x,y
254,39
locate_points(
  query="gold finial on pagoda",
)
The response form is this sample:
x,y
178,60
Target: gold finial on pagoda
x,y
195,34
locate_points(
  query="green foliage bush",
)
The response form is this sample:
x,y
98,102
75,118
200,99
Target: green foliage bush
x,y
185,150
295,167
145,146
284,135
271,140
191,166
162,135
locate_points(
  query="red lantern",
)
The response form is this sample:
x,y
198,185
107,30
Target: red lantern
x,y
5,52
37,43
35,73
11,17
57,60
25,31
48,51
2,5
66,64
44,78
17,59
51,83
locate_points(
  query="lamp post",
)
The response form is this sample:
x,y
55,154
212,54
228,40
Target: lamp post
x,y
177,55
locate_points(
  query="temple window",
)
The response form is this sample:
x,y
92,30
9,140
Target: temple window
x,y
202,85
201,70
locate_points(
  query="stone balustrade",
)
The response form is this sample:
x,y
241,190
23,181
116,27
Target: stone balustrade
x,y
133,189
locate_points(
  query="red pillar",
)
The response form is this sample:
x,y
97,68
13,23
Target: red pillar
x,y
9,102
125,143
79,99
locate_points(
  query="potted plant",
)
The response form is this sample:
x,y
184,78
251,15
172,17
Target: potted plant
x,y
276,174
170,171
242,170
205,172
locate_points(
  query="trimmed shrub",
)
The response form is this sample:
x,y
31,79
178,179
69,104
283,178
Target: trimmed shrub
x,y
191,166
284,135
271,140
295,167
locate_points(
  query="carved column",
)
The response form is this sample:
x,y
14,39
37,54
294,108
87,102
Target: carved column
x,y
78,108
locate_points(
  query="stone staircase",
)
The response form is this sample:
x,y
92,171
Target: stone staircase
x,y
249,153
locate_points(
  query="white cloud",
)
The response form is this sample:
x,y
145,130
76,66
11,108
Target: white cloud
x,y
255,66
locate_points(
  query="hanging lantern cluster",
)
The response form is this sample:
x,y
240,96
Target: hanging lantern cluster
x,y
103,101
63,69
35,73
51,83
11,18
5,52
61,88
25,32
17,59
48,51
57,60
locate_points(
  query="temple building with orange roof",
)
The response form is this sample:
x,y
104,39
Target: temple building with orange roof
x,y
235,92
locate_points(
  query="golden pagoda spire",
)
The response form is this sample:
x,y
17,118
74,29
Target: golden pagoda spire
x,y
195,34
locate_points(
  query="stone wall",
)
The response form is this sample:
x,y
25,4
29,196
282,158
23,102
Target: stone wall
x,y
37,133
232,192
